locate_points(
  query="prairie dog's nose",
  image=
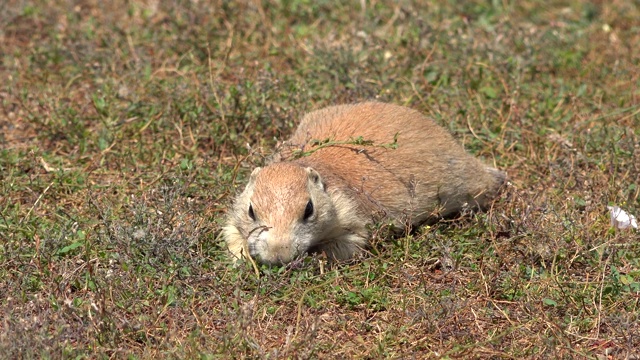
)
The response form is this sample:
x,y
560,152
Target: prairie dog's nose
x,y
278,253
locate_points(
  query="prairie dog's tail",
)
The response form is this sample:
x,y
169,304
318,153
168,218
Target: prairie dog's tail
x,y
500,178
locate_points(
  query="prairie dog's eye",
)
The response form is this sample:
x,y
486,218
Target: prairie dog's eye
x,y
252,215
308,211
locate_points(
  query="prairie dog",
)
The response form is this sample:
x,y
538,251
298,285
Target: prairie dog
x,y
349,166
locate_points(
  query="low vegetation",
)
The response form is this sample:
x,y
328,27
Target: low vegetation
x,y
126,128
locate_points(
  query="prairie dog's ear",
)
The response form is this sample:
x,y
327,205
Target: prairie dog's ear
x,y
315,177
248,189
254,175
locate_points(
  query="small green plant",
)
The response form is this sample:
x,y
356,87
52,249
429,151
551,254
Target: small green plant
x,y
622,283
316,145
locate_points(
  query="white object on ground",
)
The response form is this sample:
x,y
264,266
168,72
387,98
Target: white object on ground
x,y
621,219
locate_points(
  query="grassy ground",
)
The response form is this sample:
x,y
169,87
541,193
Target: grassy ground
x,y
127,126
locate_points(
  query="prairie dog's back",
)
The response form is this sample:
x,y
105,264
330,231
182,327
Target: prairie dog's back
x,y
427,174
371,120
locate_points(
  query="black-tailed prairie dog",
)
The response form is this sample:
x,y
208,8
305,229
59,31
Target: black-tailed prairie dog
x,y
347,167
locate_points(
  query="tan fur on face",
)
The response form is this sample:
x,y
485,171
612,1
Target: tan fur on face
x,y
279,189
427,176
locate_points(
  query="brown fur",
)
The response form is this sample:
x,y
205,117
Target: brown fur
x,y
427,176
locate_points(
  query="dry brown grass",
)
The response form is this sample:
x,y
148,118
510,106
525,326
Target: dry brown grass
x,y
126,126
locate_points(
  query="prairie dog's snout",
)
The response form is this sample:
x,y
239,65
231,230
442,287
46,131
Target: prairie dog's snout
x,y
350,166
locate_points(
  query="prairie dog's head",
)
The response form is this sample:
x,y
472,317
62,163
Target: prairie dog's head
x,y
282,213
